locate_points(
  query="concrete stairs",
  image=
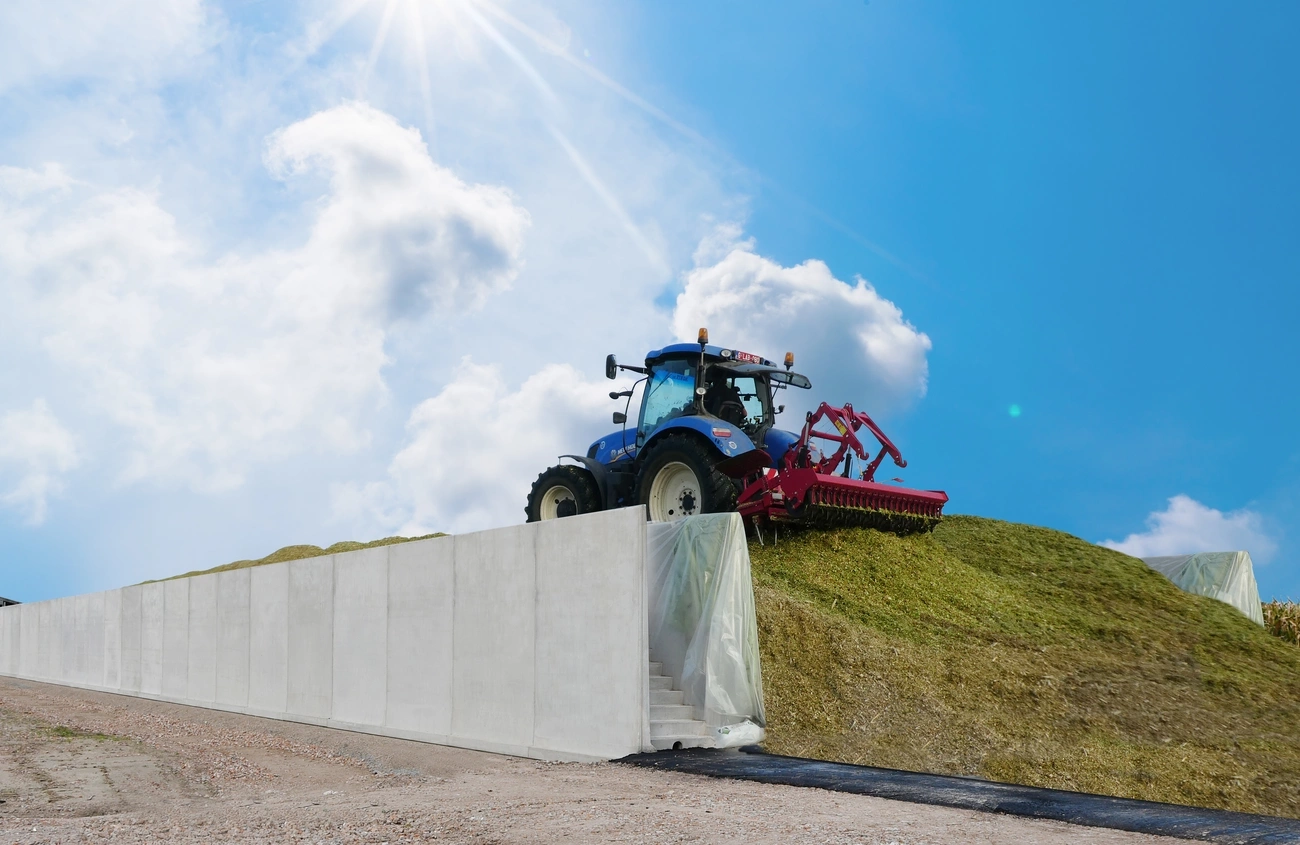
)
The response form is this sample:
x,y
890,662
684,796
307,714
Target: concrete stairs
x,y
672,720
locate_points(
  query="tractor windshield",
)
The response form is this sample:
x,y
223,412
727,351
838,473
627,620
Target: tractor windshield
x,y
670,393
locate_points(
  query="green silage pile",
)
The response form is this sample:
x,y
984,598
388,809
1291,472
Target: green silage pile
x,y
300,552
1026,655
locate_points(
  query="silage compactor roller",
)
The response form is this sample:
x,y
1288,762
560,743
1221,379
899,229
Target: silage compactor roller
x,y
704,440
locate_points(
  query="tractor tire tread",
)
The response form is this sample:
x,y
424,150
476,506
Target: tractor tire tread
x,y
719,492
578,479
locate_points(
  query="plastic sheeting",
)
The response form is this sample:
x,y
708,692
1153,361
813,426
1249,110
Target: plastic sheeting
x,y
1226,576
703,628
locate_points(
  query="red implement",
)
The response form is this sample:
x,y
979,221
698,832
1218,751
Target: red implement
x,y
805,488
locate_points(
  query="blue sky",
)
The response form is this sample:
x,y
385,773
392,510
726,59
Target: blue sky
x,y
281,273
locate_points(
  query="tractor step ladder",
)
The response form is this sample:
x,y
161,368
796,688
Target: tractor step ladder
x,y
672,720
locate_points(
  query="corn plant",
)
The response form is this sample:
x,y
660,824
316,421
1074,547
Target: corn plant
x,y
1282,618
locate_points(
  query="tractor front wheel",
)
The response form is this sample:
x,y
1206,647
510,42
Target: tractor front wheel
x,y
562,491
678,479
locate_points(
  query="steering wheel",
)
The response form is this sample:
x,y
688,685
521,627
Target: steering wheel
x,y
732,411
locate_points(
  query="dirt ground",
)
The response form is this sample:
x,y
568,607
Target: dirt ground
x,y
80,766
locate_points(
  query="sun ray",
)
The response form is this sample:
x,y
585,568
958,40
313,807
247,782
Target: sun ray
x,y
381,36
562,53
558,50
611,202
510,50
322,31
426,89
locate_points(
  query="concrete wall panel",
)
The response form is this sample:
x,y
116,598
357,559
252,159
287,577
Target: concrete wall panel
x,y
10,645
152,619
12,621
492,641
233,626
49,614
268,639
420,586
94,673
586,592
361,636
112,677
132,639
201,684
311,637
176,637
29,641
72,645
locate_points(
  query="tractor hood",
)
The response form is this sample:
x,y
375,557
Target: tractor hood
x,y
777,442
616,446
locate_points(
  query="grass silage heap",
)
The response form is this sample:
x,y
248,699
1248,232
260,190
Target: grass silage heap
x,y
1027,655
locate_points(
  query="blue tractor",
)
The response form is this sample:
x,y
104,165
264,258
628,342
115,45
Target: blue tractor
x,y
704,440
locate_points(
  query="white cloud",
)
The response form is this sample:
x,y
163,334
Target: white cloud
x,y
214,364
1188,527
853,343
77,39
394,216
472,452
35,451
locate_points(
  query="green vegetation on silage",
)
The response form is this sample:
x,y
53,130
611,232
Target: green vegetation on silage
x,y
1027,655
305,551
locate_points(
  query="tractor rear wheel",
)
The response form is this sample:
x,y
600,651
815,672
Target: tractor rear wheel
x,y
678,479
562,491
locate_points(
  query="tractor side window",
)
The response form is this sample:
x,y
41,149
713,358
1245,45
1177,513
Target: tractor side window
x,y
670,393
751,396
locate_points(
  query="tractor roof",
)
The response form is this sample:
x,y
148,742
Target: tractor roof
x,y
741,362
712,353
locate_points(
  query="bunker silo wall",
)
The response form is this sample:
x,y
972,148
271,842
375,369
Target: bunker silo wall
x,y
528,640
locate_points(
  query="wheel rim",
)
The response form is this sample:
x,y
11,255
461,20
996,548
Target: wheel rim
x,y
675,493
557,501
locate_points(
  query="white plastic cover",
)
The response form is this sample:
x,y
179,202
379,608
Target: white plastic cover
x,y
703,628
1226,576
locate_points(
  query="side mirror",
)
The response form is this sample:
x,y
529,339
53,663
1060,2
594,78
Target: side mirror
x,y
780,408
619,418
611,367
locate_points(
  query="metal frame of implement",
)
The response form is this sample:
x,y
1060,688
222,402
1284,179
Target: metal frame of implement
x,y
806,489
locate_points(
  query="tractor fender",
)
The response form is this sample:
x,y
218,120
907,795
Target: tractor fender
x,y
598,472
727,439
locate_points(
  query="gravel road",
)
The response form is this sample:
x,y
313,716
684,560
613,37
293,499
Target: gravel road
x,y
80,766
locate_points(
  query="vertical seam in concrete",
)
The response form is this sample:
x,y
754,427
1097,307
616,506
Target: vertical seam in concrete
x,y
216,626
248,648
451,669
334,631
537,612
643,541
388,631
383,716
216,640
186,685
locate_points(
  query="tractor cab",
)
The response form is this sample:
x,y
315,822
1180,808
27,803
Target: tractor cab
x,y
725,389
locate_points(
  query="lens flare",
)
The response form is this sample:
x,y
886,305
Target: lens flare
x,y
1014,410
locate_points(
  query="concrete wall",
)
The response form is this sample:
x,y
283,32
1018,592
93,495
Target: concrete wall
x,y
529,640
